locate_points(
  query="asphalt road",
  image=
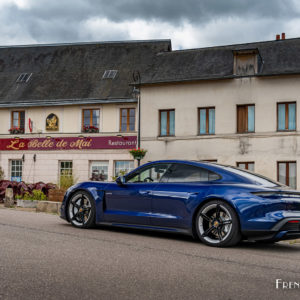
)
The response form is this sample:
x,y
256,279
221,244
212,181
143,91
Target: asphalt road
x,y
42,257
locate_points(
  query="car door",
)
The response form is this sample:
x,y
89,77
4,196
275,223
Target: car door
x,y
179,191
131,202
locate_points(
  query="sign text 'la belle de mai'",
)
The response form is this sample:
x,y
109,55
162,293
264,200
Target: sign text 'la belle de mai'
x,y
68,143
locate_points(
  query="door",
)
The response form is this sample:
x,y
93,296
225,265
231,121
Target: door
x,y
131,202
180,190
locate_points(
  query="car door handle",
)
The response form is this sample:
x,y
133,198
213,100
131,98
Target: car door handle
x,y
144,193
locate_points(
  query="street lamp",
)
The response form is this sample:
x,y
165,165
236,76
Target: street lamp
x,y
137,95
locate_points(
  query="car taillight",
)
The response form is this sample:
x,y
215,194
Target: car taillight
x,y
278,194
294,221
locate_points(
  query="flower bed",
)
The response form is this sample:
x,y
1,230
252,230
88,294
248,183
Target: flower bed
x,y
30,200
20,188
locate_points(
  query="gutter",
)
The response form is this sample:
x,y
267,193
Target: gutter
x,y
62,102
214,78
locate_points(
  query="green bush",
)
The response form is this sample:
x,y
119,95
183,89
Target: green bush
x,y
66,181
17,197
36,195
1,173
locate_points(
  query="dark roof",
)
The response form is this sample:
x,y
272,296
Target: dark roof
x,y
279,57
65,74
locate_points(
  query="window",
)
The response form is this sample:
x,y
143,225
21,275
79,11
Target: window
x,y
24,77
66,173
90,120
18,121
286,116
123,167
188,173
246,166
127,119
109,74
16,170
246,62
167,122
245,118
99,170
286,173
257,179
150,174
206,120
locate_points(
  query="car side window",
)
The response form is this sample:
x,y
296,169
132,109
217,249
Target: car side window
x,y
188,173
151,173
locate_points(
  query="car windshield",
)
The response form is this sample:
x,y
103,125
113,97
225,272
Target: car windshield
x,y
258,179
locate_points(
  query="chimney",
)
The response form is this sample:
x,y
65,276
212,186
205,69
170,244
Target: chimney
x,y
277,37
283,36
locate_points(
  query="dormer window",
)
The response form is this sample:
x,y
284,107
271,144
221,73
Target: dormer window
x,y
109,74
24,77
246,62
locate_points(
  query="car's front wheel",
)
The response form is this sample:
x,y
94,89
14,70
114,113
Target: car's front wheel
x,y
217,224
81,210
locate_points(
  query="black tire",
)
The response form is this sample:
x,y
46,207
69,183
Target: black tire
x,y
217,224
81,210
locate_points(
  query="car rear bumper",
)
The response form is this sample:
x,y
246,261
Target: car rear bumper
x,y
283,230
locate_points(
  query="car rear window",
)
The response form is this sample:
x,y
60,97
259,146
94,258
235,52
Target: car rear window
x,y
258,179
188,173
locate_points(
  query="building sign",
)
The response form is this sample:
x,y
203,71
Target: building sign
x,y
68,143
52,122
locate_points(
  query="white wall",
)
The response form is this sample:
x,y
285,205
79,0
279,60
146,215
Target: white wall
x,y
266,146
70,118
46,167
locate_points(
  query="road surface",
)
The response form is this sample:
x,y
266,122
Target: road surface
x,y
43,257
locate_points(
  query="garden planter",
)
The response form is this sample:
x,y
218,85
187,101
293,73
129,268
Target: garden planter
x,y
138,154
27,203
56,195
41,206
48,207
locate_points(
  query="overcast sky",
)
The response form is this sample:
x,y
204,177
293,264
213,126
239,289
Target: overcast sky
x,y
188,23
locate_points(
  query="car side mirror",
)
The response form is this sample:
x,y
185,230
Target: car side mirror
x,y
121,180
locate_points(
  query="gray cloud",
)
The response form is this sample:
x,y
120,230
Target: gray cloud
x,y
66,20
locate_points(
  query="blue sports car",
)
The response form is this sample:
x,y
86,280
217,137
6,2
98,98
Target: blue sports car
x,y
218,204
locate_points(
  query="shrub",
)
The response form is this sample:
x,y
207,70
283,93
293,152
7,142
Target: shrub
x,y
17,197
1,173
36,195
66,181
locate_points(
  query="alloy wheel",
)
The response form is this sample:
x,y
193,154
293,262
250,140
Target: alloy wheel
x,y
215,223
80,210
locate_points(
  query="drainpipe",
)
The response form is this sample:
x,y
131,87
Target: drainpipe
x,y
136,91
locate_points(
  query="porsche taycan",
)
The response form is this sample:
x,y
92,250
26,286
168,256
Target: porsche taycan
x,y
217,204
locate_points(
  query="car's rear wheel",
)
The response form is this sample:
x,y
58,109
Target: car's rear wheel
x,y
217,224
81,210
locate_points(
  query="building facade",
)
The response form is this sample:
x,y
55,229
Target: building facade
x,y
236,105
69,109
